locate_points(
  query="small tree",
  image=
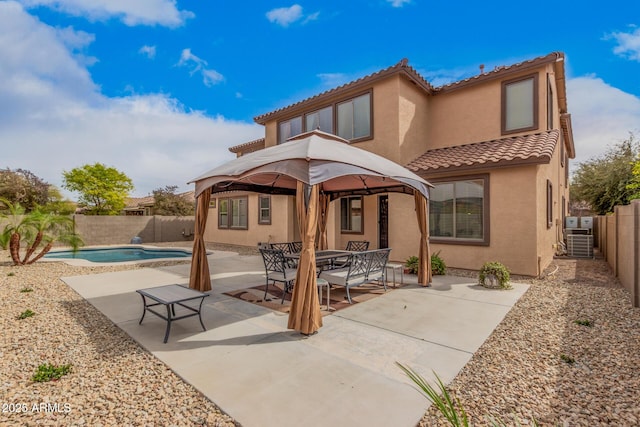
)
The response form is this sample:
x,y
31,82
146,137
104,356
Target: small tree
x,y
607,181
102,189
634,185
23,187
36,230
167,202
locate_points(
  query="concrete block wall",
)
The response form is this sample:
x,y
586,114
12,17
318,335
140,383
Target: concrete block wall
x,y
109,230
619,240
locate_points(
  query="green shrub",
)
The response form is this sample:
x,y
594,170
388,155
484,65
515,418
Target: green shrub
x,y
25,314
25,290
497,270
438,267
568,359
49,372
11,274
412,264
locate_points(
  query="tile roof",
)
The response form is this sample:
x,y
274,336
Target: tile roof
x,y
523,149
248,147
504,69
401,67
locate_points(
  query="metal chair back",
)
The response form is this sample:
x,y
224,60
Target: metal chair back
x,y
357,245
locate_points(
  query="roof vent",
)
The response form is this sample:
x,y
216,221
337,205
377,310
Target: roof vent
x,y
481,68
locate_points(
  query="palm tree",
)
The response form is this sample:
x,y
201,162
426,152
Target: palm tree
x,y
37,230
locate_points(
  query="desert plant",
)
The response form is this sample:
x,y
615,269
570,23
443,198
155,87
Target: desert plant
x,y
25,290
450,409
438,267
37,230
495,270
412,264
567,359
47,372
25,314
453,411
583,322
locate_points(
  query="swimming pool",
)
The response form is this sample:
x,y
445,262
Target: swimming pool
x,y
119,254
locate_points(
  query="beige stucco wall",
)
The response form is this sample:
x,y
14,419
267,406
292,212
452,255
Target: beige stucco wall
x,y
473,114
283,227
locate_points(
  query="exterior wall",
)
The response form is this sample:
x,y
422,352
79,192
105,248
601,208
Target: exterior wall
x,y
283,227
473,113
108,230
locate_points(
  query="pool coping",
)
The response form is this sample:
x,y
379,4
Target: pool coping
x,y
86,263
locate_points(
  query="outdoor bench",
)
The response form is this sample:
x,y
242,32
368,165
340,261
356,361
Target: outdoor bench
x,y
362,267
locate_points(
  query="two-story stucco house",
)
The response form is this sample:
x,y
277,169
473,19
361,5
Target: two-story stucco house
x,y
495,146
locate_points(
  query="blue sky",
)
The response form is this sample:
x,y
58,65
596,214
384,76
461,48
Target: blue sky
x,y
160,89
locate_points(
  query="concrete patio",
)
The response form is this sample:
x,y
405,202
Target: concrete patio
x,y
263,374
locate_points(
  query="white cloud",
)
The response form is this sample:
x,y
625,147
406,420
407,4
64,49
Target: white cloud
x,y
398,3
196,64
285,16
332,80
148,51
601,115
53,117
628,44
130,12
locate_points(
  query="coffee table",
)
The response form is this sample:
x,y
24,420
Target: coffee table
x,y
169,296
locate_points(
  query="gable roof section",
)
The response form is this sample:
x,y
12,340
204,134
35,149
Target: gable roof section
x,y
534,148
248,147
402,68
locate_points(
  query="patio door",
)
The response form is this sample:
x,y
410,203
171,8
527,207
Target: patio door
x,y
383,222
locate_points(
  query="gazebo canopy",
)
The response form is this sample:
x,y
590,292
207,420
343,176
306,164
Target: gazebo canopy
x,y
315,167
314,158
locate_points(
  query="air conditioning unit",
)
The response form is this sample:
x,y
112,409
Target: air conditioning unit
x,y
580,245
571,222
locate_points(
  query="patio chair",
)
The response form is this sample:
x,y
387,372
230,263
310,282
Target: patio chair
x,y
276,270
295,247
352,246
286,248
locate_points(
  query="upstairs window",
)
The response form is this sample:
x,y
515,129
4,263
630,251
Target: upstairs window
x,y
520,104
289,128
349,119
354,118
321,119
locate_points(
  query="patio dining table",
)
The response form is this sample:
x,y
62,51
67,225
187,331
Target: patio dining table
x,y
326,256
329,255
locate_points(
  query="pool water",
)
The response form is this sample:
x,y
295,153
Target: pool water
x,y
118,254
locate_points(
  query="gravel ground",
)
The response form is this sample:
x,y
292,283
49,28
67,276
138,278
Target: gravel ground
x,y
524,371
517,375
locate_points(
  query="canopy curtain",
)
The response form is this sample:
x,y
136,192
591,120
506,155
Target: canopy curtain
x,y
322,221
424,264
200,278
305,315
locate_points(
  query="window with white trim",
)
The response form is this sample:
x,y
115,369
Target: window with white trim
x,y
264,209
